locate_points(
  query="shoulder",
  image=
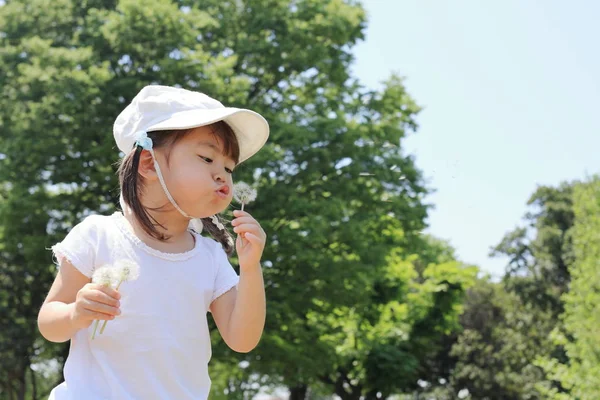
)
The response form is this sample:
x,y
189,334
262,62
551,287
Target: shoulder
x,y
85,244
209,243
94,226
97,221
212,247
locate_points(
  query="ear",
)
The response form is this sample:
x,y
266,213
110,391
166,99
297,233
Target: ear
x,y
146,166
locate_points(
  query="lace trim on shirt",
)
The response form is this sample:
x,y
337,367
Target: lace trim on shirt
x,y
125,228
226,288
60,252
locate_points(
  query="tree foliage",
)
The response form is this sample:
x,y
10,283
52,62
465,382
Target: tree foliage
x,y
331,179
578,332
360,302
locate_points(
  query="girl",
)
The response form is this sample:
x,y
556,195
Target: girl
x,y
180,150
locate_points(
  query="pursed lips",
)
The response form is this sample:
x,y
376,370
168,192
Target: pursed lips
x,y
223,190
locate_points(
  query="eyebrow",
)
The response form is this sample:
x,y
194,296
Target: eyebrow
x,y
212,146
209,144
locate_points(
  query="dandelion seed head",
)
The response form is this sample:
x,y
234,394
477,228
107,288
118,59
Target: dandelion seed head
x,y
127,270
103,275
243,193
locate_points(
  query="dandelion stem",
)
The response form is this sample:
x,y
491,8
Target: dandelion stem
x,y
96,322
105,321
242,206
103,326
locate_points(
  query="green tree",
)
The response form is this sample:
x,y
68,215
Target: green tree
x,y
540,252
578,332
539,272
507,325
496,352
385,346
331,179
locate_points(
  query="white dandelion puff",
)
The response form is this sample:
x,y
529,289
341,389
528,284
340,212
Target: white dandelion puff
x,y
126,271
243,193
104,276
123,271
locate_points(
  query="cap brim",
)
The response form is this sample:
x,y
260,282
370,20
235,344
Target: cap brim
x,y
250,128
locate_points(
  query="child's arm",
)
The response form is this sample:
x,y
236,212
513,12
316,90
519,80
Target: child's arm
x,y
240,313
73,303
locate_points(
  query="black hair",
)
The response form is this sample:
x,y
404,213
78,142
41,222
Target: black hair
x,y
132,183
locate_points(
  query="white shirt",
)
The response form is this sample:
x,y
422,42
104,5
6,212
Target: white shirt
x,y
159,347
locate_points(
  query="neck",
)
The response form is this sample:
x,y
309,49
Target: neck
x,y
175,225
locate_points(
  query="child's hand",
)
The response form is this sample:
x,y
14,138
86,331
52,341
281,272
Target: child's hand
x,y
94,301
251,239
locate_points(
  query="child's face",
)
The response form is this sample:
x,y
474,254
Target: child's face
x,y
199,174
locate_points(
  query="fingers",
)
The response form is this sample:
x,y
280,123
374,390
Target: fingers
x,y
100,302
88,311
243,220
102,297
252,238
239,242
102,308
95,309
106,290
93,315
244,223
245,228
240,213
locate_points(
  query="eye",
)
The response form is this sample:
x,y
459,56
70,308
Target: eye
x,y
209,161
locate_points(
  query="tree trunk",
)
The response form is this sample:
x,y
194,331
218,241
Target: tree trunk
x,y
22,384
372,395
298,392
340,389
33,385
11,390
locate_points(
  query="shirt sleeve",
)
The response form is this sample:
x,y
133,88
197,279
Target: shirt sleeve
x,y
225,278
79,247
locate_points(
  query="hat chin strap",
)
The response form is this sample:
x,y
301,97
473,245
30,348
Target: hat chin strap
x,y
142,140
164,186
195,223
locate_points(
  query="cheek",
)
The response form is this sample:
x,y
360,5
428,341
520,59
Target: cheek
x,y
189,177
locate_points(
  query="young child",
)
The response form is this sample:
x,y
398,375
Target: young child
x,y
180,150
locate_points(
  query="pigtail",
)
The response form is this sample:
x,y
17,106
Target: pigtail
x,y
221,235
132,184
131,187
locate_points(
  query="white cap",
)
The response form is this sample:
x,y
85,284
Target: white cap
x,y
158,107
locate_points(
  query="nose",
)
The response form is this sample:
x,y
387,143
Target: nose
x,y
219,176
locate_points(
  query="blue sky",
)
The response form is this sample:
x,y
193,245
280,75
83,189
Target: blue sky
x,y
510,92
